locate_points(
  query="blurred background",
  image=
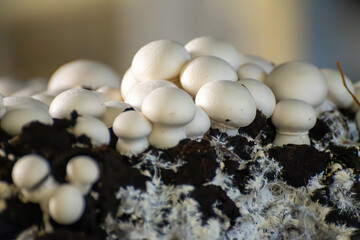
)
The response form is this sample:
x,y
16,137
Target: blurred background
x,y
38,36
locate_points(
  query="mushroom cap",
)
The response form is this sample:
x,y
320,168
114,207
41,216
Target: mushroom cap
x,y
266,65
251,70
168,105
110,93
113,109
161,59
227,102
128,82
85,102
131,125
205,69
264,98
29,170
337,93
211,46
293,115
32,87
83,73
137,94
66,205
20,101
43,97
199,125
82,169
16,118
298,80
93,128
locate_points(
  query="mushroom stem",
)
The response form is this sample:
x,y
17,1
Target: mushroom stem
x,y
128,147
297,138
166,136
229,130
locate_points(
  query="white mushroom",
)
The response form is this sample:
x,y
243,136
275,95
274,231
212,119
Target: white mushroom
x,y
43,97
16,118
161,59
10,85
169,109
132,129
66,205
110,93
264,98
205,69
228,104
82,172
263,63
33,86
199,125
137,94
293,119
337,93
93,128
113,109
251,70
19,101
83,73
128,82
298,80
85,102
214,47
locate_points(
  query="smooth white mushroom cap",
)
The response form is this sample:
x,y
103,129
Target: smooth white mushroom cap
x,y
137,94
251,70
204,69
199,125
85,102
131,125
20,101
110,93
83,73
43,97
264,98
168,105
337,93
16,118
298,80
161,59
82,170
263,63
113,109
227,102
128,82
29,170
293,115
66,205
93,128
214,47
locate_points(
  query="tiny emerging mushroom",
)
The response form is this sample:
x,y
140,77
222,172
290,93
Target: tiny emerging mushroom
x,y
82,172
293,119
132,130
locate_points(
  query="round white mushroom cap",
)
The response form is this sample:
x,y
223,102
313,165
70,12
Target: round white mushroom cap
x,y
66,205
113,109
251,70
110,93
82,171
298,80
199,125
85,102
20,101
169,105
214,47
83,73
161,59
131,125
93,128
227,102
264,98
204,69
29,171
137,94
263,63
337,93
16,118
293,115
128,82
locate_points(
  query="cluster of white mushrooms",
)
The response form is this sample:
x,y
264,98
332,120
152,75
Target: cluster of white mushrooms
x,y
170,92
